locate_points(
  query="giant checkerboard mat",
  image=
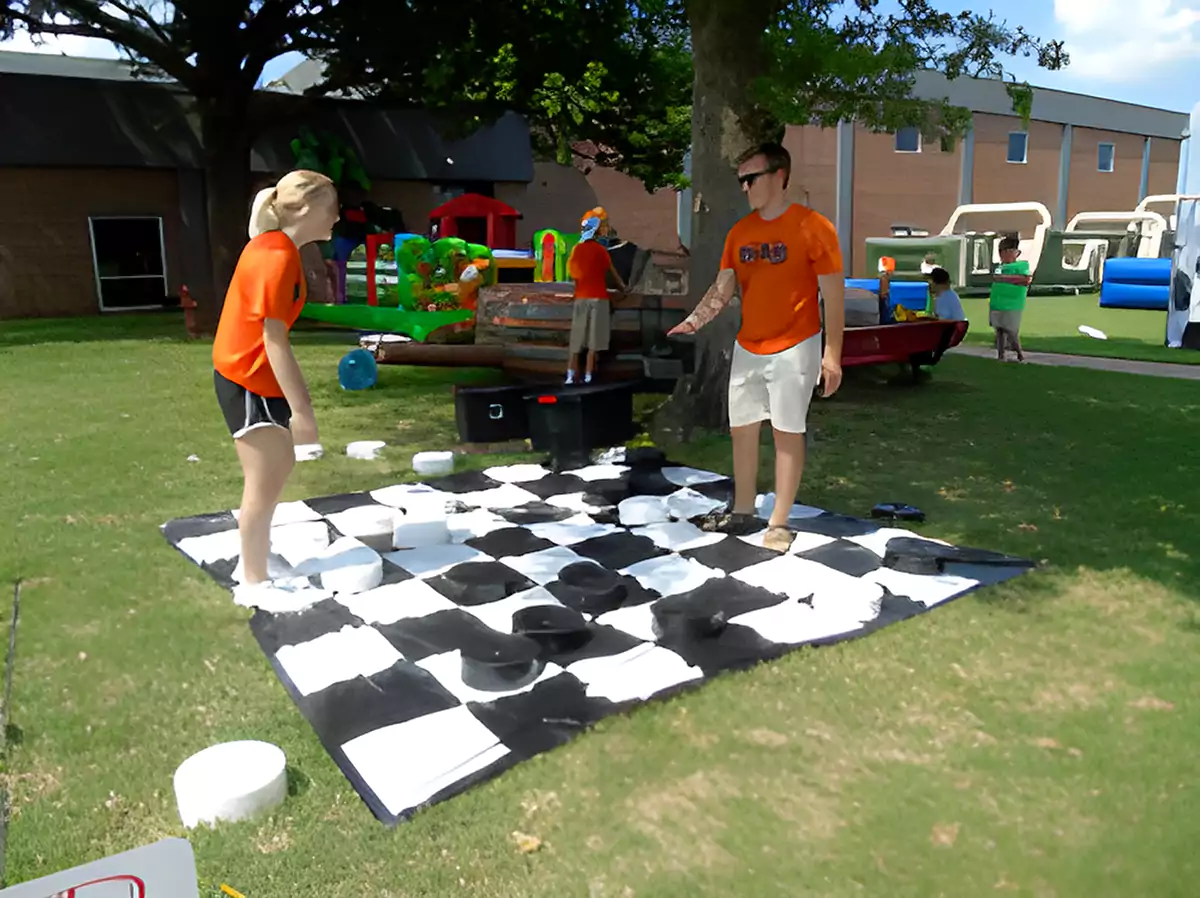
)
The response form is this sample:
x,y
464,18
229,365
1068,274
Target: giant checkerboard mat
x,y
423,672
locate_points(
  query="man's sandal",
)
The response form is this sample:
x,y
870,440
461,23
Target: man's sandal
x,y
731,523
778,539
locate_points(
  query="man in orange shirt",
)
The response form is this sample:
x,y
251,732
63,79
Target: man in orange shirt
x,y
785,259
591,314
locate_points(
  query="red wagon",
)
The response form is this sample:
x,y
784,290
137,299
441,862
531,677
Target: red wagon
x,y
913,343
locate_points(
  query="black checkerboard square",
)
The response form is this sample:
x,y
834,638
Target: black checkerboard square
x,y
425,684
730,555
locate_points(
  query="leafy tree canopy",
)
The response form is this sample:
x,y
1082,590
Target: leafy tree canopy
x,y
612,74
827,63
609,80
212,47
612,79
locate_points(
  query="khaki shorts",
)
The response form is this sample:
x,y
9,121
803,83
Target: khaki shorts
x,y
1005,319
776,388
591,324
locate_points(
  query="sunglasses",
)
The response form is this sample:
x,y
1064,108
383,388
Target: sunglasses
x,y
747,180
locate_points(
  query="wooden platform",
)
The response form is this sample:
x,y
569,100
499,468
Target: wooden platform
x,y
533,324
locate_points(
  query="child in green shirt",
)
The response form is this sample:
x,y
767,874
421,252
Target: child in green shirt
x,y
1010,286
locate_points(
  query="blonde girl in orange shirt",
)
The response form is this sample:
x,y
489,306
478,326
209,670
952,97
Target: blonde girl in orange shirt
x,y
259,385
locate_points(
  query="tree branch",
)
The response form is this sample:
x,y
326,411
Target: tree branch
x,y
36,26
93,21
143,15
274,31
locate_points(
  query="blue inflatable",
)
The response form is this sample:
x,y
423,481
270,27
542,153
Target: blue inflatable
x,y
910,294
1136,284
357,370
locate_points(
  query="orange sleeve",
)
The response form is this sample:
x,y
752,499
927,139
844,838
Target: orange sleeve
x,y
824,251
270,284
572,263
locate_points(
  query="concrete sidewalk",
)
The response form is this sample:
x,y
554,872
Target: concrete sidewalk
x,y
1123,366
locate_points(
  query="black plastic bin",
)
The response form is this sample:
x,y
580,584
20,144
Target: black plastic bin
x,y
491,414
569,422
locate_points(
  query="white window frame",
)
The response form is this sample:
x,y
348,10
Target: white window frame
x,y
1112,160
896,137
162,249
1008,147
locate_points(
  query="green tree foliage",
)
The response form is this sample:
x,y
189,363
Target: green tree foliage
x,y
761,64
609,80
825,65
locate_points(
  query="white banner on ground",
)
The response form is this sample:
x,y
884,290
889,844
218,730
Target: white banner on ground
x,y
1183,310
166,869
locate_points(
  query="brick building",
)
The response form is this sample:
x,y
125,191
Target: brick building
x,y
1078,154
102,196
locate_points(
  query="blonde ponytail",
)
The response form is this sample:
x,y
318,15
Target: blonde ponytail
x,y
263,214
276,207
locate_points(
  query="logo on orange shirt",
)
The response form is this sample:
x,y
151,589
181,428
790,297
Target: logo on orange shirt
x,y
775,253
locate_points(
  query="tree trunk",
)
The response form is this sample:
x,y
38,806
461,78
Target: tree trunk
x,y
726,60
226,136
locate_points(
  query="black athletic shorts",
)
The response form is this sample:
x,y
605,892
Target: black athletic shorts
x,y
244,411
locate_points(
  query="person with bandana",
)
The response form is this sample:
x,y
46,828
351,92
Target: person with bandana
x,y
589,267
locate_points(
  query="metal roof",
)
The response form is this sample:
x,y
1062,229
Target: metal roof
x,y
54,64
67,111
988,95
86,122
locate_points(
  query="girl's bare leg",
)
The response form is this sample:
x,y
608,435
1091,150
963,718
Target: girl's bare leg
x,y
268,456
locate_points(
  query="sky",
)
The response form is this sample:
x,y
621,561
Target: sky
x,y
1136,51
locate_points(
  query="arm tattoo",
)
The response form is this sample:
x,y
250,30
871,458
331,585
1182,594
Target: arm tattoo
x,y
714,301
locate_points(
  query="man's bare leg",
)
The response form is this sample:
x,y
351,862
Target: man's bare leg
x,y
789,468
591,364
1000,341
745,466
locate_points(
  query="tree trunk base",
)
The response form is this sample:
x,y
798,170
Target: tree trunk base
x,y
701,400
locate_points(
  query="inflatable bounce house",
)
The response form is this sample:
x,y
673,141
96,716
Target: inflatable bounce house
x,y
971,253
1183,311
382,277
552,248
407,284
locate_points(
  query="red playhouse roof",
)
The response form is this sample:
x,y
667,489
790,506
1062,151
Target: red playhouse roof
x,y
473,205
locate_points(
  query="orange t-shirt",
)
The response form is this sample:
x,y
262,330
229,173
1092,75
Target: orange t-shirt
x,y
777,263
588,268
267,283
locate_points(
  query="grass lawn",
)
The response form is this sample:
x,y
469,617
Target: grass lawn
x,y
1051,324
1035,739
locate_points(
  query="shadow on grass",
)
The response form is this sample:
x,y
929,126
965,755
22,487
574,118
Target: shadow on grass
x,y
167,325
298,782
1067,467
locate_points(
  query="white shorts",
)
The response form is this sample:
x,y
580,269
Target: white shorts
x,y
775,388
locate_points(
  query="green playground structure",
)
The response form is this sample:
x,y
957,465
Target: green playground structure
x,y
406,284
384,319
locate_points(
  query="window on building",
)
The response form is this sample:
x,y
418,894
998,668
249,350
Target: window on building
x,y
1106,157
1018,146
130,264
908,140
